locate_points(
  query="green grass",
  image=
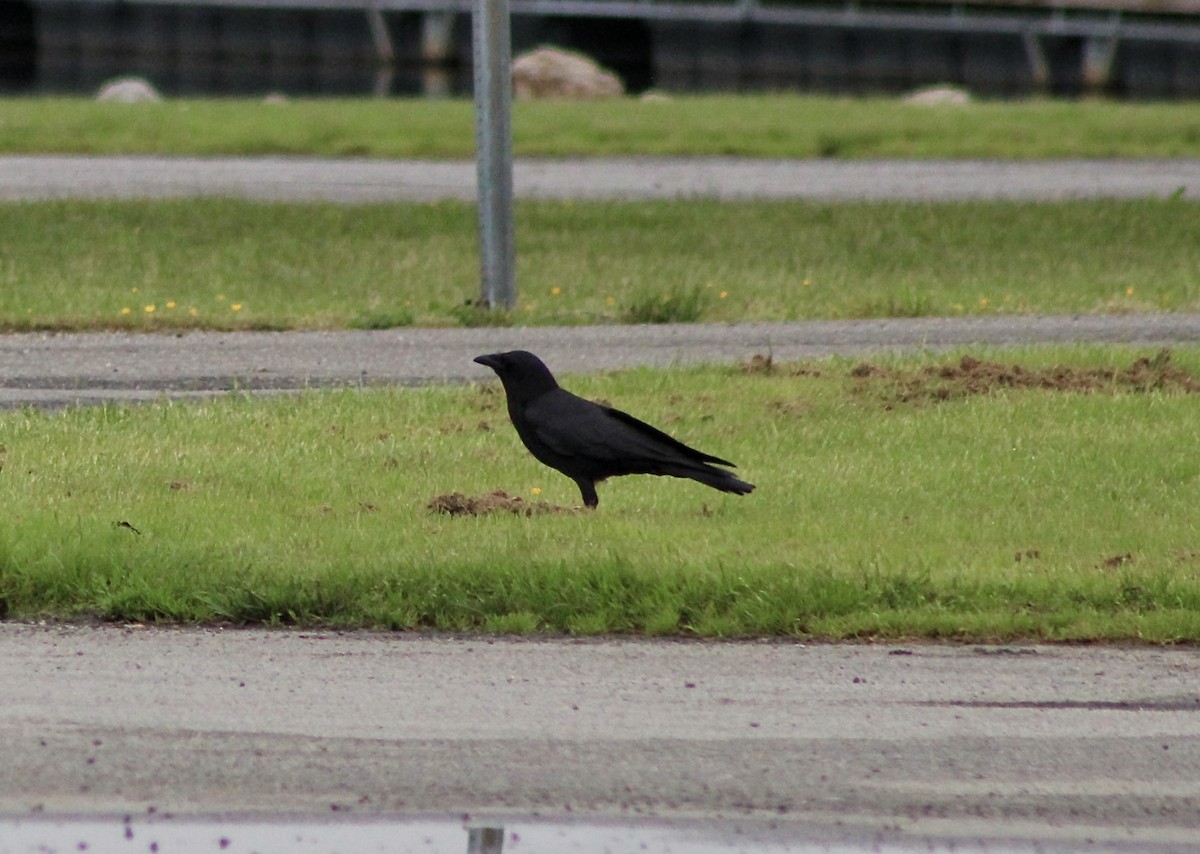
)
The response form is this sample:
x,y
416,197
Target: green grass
x,y
880,512
77,265
751,126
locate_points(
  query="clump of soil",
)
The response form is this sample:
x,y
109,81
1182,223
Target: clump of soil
x,y
457,504
488,397
972,376
760,364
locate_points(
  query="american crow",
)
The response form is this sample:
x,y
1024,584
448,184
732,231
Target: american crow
x,y
588,442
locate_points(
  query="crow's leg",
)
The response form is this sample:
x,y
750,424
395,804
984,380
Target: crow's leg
x,y
587,488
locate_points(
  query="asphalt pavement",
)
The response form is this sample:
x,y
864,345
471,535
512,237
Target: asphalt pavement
x,y
55,370
1087,747
348,180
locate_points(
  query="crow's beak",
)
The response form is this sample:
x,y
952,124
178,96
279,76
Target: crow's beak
x,y
489,361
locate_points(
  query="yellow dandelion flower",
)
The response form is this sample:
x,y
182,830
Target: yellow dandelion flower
x,y
237,306
807,281
555,291
126,310
1129,292
723,294
133,290
983,302
170,303
537,490
149,309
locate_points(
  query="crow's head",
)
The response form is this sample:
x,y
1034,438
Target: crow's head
x,y
524,375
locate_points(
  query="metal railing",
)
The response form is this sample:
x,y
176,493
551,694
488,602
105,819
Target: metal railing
x,y
1167,20
1100,24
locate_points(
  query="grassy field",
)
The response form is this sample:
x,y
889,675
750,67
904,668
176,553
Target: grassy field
x,y
752,126
220,264
930,497
936,497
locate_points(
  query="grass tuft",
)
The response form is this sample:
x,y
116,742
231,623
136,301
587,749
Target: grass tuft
x,y
383,319
473,314
681,305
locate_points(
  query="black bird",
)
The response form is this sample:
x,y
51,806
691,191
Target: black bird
x,y
588,442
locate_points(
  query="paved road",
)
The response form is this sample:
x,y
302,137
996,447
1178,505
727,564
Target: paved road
x,y
53,370
293,179
1060,743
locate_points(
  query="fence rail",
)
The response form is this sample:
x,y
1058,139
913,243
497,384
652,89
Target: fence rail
x,y
1159,20
1038,27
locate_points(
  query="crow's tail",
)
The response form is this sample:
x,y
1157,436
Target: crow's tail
x,y
716,478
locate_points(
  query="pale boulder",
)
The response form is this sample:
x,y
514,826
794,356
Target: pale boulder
x,y
128,90
550,72
938,96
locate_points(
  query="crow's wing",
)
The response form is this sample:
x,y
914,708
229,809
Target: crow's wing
x,y
577,428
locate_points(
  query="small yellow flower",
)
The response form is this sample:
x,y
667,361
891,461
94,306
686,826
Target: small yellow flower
x,y
983,302
149,309
537,490
133,290
193,311
237,306
723,294
170,303
610,300
555,291
126,310
807,281
1129,292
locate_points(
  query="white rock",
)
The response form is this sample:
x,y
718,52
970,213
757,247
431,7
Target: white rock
x,y
938,95
550,72
128,90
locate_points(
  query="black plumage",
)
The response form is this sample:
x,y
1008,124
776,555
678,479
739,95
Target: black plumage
x,y
589,442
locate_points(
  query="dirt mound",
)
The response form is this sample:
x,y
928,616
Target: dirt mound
x,y
972,376
457,504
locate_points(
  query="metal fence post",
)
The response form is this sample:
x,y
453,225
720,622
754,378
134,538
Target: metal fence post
x,y
492,48
485,840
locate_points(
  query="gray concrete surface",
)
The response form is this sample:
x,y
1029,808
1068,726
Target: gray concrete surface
x,y
293,179
1059,743
53,370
